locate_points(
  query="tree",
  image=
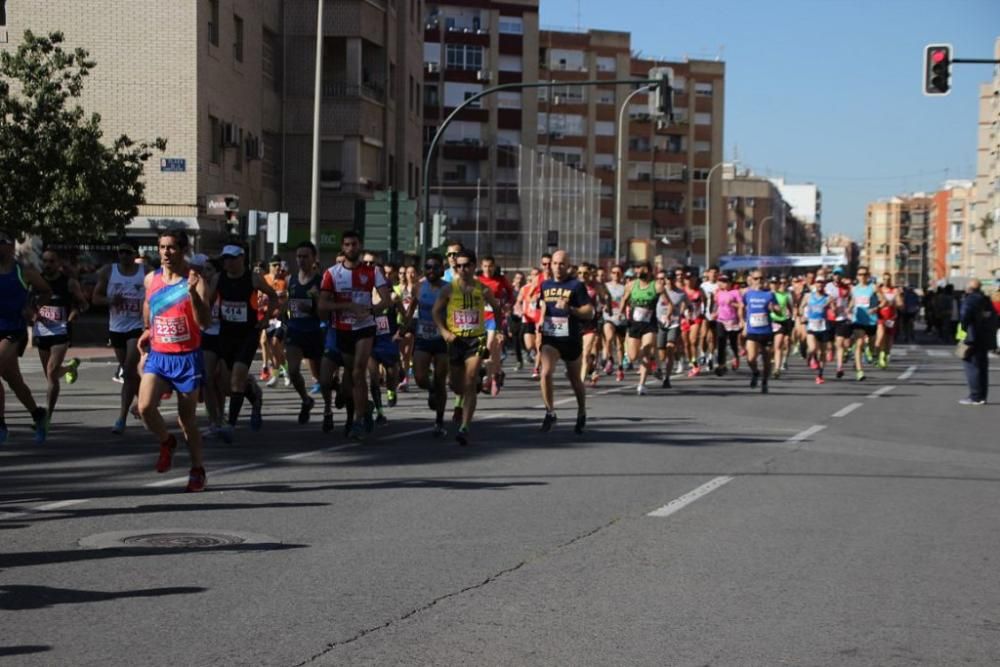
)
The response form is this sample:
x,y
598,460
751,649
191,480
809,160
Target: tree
x,y
57,179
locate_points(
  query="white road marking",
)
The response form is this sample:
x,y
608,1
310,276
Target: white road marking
x,y
802,435
688,498
882,390
215,473
613,390
44,508
847,409
908,373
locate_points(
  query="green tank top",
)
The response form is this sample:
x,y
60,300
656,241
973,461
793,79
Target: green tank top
x,y
784,299
643,300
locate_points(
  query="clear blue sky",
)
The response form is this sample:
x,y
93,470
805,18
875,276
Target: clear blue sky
x,y
824,91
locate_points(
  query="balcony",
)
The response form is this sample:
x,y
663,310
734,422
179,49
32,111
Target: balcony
x,y
342,89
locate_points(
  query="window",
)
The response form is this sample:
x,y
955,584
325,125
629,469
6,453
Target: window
x,y
216,129
604,128
431,98
638,199
238,39
463,56
698,204
703,147
213,22
413,91
605,96
511,25
703,88
701,118
606,64
3,12
238,153
270,164
392,81
270,63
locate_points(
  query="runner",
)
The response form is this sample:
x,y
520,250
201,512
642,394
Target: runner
x,y
864,306
671,305
515,328
305,337
615,325
597,296
385,350
727,323
530,314
272,340
756,308
819,314
708,287
18,284
890,305
842,319
430,354
460,313
451,253
782,322
52,326
237,288
641,296
694,337
121,287
565,304
407,291
346,292
214,381
176,306
503,294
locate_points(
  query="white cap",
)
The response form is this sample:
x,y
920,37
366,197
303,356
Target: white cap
x,y
199,260
232,251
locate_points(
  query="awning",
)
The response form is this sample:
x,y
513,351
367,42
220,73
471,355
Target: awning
x,y
153,224
743,262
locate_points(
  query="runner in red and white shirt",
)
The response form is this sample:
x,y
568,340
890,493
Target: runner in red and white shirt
x,y
499,286
346,294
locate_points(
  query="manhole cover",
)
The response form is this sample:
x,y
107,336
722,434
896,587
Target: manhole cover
x,y
174,538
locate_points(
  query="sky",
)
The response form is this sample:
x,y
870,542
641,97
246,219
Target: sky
x,y
824,91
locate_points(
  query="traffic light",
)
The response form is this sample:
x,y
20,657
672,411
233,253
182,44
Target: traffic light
x,y
439,230
662,96
937,69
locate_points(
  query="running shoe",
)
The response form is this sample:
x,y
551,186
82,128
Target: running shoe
x,y
776,374
71,375
534,373
859,376
694,371
439,430
265,374
840,373
226,433
883,362
868,356
196,480
619,375
462,437
256,415
720,371
754,380
813,364
390,397
763,386
404,385
327,422
519,366
119,427
581,421
166,459
286,381
272,381
315,389
381,420
609,367
658,374
41,417
548,422
666,382
971,401
118,378
640,390
594,378
357,432
736,364
307,406
820,380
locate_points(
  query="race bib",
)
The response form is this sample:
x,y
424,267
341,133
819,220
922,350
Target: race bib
x,y
731,326
888,324
381,325
171,329
775,327
299,308
641,314
557,327
466,319
234,311
129,305
427,330
816,324
52,313
862,301
759,320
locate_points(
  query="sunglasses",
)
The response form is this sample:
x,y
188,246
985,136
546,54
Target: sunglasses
x,y
368,263
463,265
452,254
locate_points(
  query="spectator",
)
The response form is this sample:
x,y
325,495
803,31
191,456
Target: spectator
x,y
978,322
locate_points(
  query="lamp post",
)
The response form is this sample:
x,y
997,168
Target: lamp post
x,y
618,169
317,92
760,232
708,212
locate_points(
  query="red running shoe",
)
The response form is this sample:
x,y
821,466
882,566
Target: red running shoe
x,y
166,459
196,480
820,380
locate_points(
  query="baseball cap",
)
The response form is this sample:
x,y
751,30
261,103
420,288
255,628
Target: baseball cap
x,y
126,245
199,260
275,259
232,251
839,271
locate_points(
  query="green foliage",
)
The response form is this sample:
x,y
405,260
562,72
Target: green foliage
x,y
57,179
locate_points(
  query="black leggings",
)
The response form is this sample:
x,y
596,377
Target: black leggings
x,y
721,337
514,328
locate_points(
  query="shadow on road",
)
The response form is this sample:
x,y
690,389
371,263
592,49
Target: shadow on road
x,y
23,650
32,558
22,597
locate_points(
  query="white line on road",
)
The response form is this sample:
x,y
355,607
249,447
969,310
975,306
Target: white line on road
x,y
847,409
44,508
908,373
613,390
688,498
882,390
802,435
215,473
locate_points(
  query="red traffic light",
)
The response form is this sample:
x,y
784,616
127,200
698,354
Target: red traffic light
x,y
938,56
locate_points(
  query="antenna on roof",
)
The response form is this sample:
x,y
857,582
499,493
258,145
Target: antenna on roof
x,y
578,24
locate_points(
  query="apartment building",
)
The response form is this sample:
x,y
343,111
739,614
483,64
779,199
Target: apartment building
x,y
758,220
984,243
230,86
949,231
896,238
469,45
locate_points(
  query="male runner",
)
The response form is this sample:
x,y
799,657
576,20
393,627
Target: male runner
x,y
495,322
818,311
346,292
237,289
565,304
755,311
175,308
460,312
430,353
52,325
17,285
708,287
272,334
864,306
305,337
385,350
670,307
452,248
121,287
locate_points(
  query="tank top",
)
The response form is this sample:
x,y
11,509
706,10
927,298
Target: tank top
x,y
863,295
816,305
405,295
888,312
616,291
426,298
173,329
51,319
784,299
302,314
466,311
697,299
643,301
13,299
237,303
128,315
386,322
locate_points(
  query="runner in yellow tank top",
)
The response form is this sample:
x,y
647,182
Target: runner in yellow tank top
x,y
460,314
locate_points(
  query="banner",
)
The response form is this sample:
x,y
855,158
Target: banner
x,y
745,262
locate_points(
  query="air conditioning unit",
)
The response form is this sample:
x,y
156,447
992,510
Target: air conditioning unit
x,y
483,75
433,67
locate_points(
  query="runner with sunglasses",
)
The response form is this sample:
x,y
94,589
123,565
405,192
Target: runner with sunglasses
x,y
430,350
615,325
755,312
384,361
460,314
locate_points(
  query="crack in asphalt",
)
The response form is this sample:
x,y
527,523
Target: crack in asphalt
x,y
489,580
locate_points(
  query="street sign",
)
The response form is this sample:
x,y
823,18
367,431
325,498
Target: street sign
x,y
173,164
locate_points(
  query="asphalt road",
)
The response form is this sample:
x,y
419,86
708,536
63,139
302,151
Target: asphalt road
x,y
844,524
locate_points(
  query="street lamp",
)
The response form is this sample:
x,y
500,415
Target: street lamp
x,y
760,232
708,211
618,169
